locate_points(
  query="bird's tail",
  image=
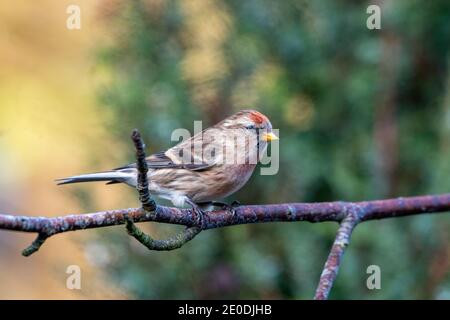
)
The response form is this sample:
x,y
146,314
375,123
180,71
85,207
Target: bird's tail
x,y
110,176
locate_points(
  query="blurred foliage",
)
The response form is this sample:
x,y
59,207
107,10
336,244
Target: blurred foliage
x,y
50,125
363,114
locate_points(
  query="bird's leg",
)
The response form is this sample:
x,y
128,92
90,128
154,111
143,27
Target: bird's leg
x,y
199,214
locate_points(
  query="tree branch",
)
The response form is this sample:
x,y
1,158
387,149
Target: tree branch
x,y
348,214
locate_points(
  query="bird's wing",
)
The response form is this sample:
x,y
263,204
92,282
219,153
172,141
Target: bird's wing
x,y
188,154
161,161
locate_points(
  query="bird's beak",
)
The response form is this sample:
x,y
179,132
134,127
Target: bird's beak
x,y
270,136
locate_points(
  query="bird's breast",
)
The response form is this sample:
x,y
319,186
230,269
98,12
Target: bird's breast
x,y
222,181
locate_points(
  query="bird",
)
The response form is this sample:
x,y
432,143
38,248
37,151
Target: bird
x,y
200,170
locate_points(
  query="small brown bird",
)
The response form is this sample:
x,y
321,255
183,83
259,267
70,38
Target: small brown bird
x,y
201,169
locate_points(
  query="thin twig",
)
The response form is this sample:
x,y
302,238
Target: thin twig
x,y
342,240
142,182
172,243
35,245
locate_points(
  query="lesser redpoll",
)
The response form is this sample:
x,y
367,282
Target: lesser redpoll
x,y
211,165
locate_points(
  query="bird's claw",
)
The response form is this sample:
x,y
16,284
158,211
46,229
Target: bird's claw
x,y
199,217
235,204
231,207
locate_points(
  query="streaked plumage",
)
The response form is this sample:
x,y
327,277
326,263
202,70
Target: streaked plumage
x,y
183,174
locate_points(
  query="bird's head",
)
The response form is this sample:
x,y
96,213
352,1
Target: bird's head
x,y
251,120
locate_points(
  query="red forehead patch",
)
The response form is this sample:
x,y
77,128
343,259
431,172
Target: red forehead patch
x,y
258,117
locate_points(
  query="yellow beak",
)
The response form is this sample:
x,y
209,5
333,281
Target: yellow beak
x,y
269,137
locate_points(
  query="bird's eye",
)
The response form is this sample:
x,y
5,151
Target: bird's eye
x,y
250,127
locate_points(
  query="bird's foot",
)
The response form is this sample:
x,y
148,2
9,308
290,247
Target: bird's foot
x,y
225,206
233,206
199,215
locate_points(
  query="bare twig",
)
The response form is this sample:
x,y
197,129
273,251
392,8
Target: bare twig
x,y
142,182
348,214
331,268
172,243
35,245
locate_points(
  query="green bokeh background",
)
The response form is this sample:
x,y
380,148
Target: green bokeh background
x,y
363,114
